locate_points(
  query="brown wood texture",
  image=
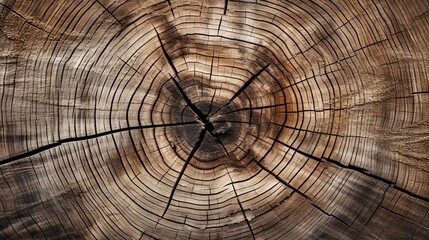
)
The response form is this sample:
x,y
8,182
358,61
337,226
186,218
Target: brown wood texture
x,y
298,119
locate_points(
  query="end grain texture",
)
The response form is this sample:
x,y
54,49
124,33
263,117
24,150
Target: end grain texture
x,y
177,119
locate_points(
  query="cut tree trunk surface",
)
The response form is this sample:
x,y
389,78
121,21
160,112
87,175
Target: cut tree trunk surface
x,y
149,119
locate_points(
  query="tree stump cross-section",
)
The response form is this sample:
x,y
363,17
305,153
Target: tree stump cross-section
x,y
244,119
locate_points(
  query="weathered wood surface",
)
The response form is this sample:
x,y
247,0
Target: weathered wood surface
x,y
214,119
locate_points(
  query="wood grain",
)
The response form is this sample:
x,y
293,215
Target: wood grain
x,y
214,119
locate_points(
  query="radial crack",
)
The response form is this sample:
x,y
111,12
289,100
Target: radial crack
x,y
245,85
241,206
219,141
208,125
171,8
169,60
68,140
188,160
279,179
356,169
111,14
225,8
126,63
25,19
